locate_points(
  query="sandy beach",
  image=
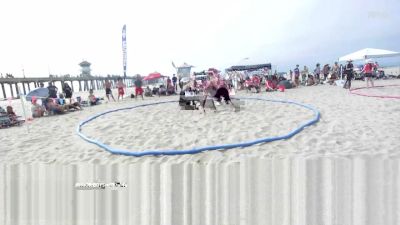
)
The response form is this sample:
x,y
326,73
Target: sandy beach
x,y
349,124
342,170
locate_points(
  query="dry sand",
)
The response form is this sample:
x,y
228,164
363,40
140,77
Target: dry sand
x,y
349,124
343,170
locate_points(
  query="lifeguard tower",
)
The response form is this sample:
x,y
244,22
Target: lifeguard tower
x,y
85,68
183,71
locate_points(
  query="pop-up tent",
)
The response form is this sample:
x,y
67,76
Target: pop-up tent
x,y
153,76
368,53
249,65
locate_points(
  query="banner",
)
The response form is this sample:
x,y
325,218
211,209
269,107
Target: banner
x,y
124,48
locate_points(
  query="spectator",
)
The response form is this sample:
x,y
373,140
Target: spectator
x,y
304,75
335,71
325,70
52,90
367,70
138,86
297,75
92,98
107,86
67,90
348,70
317,72
37,110
121,88
174,81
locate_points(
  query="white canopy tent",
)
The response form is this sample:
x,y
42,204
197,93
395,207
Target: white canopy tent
x,y
368,53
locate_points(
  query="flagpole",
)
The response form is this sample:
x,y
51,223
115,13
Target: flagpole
x,y
124,53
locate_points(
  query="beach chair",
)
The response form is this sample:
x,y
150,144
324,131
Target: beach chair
x,y
6,122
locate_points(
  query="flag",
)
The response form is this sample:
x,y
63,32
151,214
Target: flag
x,y
124,48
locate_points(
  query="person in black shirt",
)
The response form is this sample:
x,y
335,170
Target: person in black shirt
x,y
52,90
67,91
174,81
348,70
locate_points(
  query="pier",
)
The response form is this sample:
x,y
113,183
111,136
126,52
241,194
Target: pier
x,y
85,83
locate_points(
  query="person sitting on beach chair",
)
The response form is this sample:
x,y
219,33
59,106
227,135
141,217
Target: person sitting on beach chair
x,y
61,101
55,108
8,118
5,120
310,80
37,110
93,100
162,90
11,114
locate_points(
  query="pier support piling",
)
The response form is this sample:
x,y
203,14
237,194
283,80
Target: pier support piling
x,y
4,91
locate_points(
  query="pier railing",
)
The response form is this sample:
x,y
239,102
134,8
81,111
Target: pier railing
x,y
85,83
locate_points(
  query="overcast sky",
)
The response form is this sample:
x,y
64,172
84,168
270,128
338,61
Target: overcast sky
x,y
45,36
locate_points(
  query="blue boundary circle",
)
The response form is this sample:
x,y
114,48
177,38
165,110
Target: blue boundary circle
x,y
195,150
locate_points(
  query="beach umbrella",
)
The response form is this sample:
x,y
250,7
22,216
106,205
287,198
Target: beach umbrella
x,y
368,53
38,93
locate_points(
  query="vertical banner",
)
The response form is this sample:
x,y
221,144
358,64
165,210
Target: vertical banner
x,y
124,48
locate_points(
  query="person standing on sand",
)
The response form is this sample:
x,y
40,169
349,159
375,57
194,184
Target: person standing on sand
x,y
297,75
174,81
367,70
376,67
325,70
181,84
138,87
120,87
317,72
169,83
304,75
67,90
52,90
335,71
348,71
107,86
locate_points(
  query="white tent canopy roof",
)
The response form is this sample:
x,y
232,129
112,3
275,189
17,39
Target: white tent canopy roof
x,y
185,65
250,61
368,53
